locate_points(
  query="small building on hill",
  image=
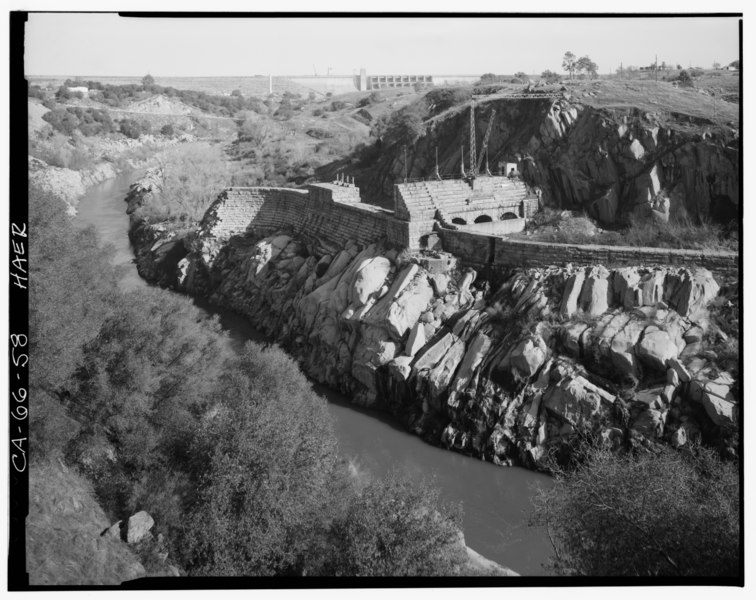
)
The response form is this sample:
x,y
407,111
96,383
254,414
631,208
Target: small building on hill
x,y
83,90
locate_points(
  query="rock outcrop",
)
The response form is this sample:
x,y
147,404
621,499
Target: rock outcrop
x,y
610,162
508,375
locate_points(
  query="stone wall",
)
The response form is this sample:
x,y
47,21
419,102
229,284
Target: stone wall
x,y
312,212
480,249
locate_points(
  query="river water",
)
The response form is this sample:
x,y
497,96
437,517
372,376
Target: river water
x,y
495,500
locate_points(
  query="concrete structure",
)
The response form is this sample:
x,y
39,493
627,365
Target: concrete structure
x,y
501,203
334,212
425,211
377,82
341,84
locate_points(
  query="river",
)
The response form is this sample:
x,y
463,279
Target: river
x,y
495,500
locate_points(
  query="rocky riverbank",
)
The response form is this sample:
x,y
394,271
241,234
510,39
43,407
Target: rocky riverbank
x,y
511,371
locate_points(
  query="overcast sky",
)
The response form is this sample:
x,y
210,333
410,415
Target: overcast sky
x,y
106,44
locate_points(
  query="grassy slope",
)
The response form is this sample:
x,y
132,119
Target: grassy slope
x,y
63,542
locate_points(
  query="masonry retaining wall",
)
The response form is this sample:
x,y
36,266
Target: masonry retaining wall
x,y
309,212
495,251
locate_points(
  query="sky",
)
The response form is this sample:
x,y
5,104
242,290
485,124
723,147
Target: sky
x,y
107,44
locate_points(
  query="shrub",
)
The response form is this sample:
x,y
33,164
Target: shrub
x,y
167,130
62,94
669,513
34,91
685,79
70,284
269,455
193,176
130,128
444,98
338,105
405,125
551,77
62,120
396,527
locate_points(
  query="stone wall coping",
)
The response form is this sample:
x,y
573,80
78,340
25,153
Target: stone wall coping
x,y
610,248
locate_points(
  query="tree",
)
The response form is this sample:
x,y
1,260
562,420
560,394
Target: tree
x,y
521,75
715,65
569,63
268,453
585,64
550,77
147,81
735,64
663,513
685,79
62,94
62,120
130,128
167,130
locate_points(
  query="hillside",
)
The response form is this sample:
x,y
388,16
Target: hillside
x,y
603,147
64,545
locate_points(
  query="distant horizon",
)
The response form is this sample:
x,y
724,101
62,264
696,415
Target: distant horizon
x,y
58,44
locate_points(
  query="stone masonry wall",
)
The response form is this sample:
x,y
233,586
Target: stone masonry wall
x,y
490,250
308,212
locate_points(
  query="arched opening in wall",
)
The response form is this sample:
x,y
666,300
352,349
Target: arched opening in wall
x,y
509,215
483,219
458,221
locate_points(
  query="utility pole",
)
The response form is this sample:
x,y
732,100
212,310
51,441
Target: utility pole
x,y
472,138
620,70
656,68
405,163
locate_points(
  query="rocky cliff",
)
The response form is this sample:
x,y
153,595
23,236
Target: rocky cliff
x,y
511,371
610,162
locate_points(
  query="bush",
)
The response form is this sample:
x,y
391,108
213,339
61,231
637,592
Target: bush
x,y
269,454
130,128
62,120
551,77
670,513
62,94
685,79
167,130
338,105
404,126
34,91
193,176
444,98
396,527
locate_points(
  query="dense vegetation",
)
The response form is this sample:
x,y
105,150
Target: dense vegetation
x,y
119,95
232,453
670,513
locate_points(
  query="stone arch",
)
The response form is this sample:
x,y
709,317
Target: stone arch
x,y
459,221
509,215
483,219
